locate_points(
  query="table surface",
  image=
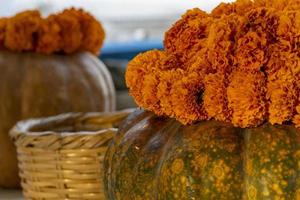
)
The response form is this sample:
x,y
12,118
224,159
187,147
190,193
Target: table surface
x,y
11,194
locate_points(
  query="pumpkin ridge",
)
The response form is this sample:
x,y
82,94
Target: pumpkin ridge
x,y
146,169
109,82
206,160
272,152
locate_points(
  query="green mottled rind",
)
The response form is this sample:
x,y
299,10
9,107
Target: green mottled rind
x,y
159,159
272,162
204,162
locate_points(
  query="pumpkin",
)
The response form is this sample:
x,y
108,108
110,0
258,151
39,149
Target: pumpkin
x,y
159,158
223,109
36,85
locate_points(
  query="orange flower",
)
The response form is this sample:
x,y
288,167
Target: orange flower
x,y
3,22
215,97
91,30
251,51
137,70
49,36
187,98
246,98
296,118
21,31
220,43
282,94
71,35
149,92
238,64
167,80
223,9
187,32
69,31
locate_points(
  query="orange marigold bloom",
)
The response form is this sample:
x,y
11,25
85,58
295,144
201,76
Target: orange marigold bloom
x,y
188,31
239,64
279,55
92,31
199,62
282,94
243,6
138,68
3,22
49,36
277,4
149,92
186,97
292,5
223,9
215,97
251,51
239,7
69,31
21,31
167,80
220,43
296,118
247,98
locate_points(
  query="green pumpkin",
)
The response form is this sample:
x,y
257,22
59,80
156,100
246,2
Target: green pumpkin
x,y
158,158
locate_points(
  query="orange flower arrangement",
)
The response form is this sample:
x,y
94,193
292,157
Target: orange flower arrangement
x,y
239,64
67,32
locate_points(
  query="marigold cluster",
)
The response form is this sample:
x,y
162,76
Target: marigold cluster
x,y
69,31
239,64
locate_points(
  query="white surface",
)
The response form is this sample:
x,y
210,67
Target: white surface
x,y
10,194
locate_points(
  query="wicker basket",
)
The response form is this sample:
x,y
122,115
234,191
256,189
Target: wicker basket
x,y
61,157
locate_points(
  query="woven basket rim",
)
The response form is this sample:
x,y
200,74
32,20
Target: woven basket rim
x,y
25,127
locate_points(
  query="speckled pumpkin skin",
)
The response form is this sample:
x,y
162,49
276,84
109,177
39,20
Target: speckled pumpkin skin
x,y
158,158
35,85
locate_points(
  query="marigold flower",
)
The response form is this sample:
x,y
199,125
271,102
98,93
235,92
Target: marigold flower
x,y
21,31
282,94
92,31
167,80
187,99
69,31
138,68
251,51
238,64
3,22
220,43
49,36
215,97
240,7
296,118
223,9
187,32
247,98
71,35
149,92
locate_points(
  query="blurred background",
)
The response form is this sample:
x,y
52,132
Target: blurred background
x,y
132,26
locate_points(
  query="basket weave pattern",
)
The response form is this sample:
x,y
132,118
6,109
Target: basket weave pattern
x,y
62,157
